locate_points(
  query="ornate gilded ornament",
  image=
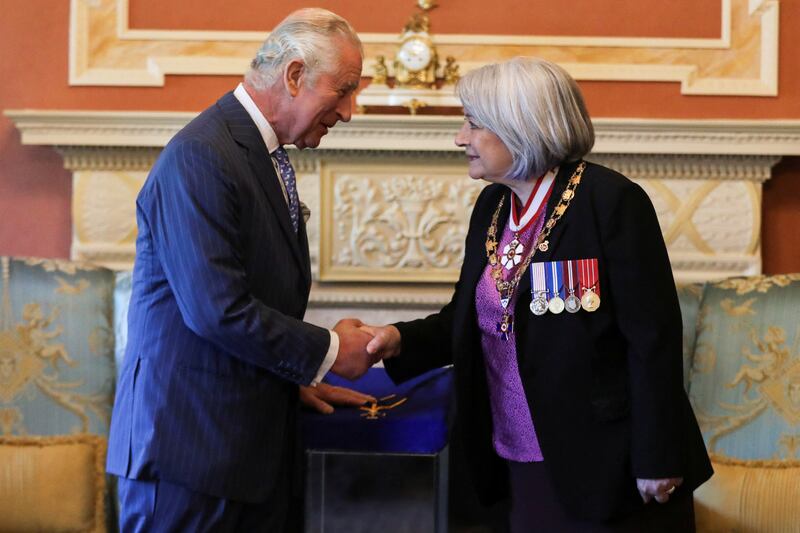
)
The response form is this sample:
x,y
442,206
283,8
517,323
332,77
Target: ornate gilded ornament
x,y
451,74
417,75
380,71
414,105
416,61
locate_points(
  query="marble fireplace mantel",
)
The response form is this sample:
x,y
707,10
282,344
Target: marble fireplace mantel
x,y
403,249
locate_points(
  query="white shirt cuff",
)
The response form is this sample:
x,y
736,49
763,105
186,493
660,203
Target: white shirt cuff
x,y
330,358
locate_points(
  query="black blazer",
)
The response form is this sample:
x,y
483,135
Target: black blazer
x,y
605,389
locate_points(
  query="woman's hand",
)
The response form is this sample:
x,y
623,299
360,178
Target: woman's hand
x,y
660,489
386,341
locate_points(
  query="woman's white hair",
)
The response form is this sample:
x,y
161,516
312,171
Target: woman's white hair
x,y
536,109
307,34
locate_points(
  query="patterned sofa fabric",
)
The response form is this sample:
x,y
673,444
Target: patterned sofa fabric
x,y
56,390
745,376
59,321
745,389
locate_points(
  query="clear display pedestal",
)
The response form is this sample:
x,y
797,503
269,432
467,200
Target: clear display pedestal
x,y
351,492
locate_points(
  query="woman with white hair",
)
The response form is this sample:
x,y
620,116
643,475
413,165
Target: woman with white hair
x,y
564,328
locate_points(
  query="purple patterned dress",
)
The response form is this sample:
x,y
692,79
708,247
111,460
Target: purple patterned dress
x,y
514,436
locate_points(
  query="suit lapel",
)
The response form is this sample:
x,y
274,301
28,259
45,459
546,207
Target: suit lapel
x,y
261,164
246,134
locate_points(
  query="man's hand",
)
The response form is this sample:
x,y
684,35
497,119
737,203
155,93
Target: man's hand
x,y
386,342
660,489
352,360
323,397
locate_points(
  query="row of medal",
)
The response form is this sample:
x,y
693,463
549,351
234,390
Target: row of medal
x,y
564,285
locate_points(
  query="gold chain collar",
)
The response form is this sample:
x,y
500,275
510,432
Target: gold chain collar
x,y
506,288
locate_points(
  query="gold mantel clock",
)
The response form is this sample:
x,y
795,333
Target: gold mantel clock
x,y
416,61
417,78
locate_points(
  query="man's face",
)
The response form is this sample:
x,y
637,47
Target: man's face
x,y
317,106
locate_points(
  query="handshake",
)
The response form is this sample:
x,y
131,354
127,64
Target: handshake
x,y
361,346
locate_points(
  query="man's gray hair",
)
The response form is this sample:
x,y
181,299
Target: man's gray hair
x,y
306,34
536,109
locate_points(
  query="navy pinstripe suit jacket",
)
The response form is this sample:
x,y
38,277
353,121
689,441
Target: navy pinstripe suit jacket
x,y
207,396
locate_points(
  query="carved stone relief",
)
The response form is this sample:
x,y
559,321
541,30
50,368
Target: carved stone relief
x,y
389,210
391,221
386,225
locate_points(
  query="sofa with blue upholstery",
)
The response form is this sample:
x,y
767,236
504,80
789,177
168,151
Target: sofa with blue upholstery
x,y
56,390
742,368
61,323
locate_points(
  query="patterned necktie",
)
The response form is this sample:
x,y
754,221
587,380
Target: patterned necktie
x,y
290,181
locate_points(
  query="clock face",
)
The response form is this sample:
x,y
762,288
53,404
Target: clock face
x,y
415,54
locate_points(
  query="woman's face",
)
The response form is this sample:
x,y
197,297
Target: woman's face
x,y
488,157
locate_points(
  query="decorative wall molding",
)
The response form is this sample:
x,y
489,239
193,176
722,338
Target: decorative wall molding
x,y
420,133
117,158
98,128
124,32
743,60
726,167
705,183
381,294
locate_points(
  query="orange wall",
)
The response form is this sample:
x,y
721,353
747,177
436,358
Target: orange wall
x,y
505,17
35,189
780,234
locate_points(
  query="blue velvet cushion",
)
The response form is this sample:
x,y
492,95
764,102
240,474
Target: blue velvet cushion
x,y
419,425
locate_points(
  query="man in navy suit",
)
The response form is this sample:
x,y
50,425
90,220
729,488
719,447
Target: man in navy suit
x,y
203,434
